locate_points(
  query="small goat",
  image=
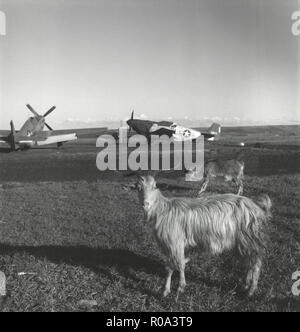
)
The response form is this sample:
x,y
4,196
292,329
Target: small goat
x,y
215,223
230,170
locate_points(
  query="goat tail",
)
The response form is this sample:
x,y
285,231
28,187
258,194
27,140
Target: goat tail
x,y
265,203
252,237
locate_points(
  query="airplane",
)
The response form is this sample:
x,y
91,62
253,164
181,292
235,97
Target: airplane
x,y
171,129
32,133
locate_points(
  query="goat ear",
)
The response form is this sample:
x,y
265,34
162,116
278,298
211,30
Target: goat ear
x,y
153,183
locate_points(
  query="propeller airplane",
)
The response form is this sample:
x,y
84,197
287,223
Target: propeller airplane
x,y
171,129
32,133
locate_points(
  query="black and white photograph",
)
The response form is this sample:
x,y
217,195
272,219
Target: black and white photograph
x,y
149,158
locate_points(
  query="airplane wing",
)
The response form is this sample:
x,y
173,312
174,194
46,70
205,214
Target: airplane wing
x,y
56,139
84,133
44,138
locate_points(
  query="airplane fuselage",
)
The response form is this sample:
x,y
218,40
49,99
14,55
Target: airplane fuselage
x,y
171,129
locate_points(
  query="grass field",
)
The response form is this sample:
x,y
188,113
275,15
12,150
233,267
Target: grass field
x,y
87,240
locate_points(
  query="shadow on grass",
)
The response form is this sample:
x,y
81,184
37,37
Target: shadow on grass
x,y
125,262
93,258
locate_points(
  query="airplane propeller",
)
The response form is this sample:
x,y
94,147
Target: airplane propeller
x,y
50,111
129,122
12,136
40,116
32,110
46,124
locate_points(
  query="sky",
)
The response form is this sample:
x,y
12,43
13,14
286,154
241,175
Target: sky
x,y
96,60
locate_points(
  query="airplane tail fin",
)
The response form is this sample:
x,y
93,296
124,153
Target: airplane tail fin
x,y
215,129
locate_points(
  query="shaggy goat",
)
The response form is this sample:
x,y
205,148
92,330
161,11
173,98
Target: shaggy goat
x,y
230,170
216,223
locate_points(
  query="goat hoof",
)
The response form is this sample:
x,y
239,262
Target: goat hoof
x,y
250,293
166,293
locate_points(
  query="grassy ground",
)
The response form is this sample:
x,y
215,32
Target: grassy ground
x,y
88,240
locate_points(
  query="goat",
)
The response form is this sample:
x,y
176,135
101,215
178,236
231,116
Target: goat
x,y
229,170
217,223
